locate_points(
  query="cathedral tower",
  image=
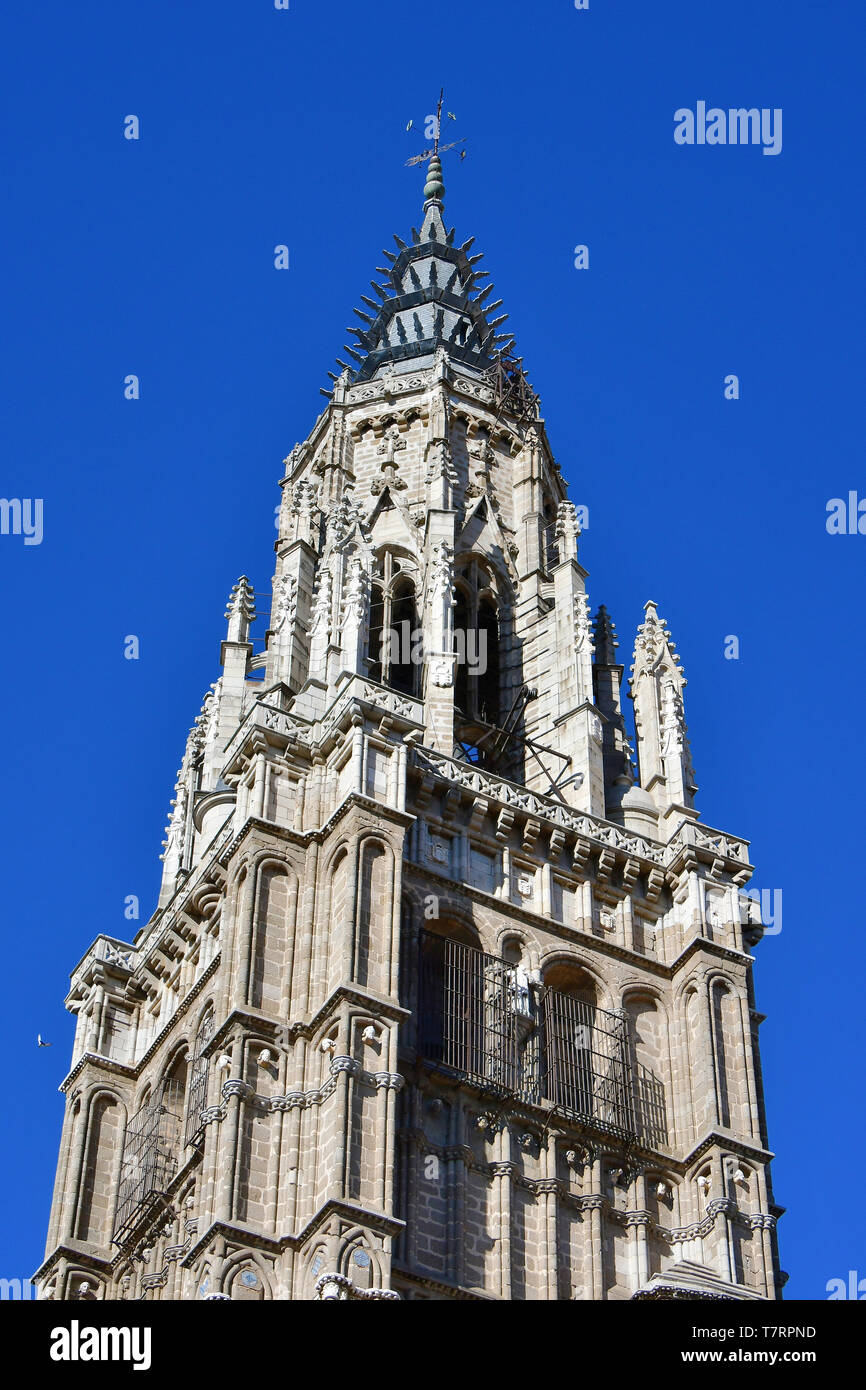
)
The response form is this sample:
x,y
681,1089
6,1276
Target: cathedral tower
x,y
448,990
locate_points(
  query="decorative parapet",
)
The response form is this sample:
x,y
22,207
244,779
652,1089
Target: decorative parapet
x,y
369,692
108,954
268,720
390,384
581,823
280,729
702,837
534,804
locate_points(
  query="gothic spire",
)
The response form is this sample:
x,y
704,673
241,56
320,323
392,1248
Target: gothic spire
x,y
431,294
656,687
241,610
606,640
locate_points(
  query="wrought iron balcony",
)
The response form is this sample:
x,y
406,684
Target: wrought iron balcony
x,y
479,1016
151,1154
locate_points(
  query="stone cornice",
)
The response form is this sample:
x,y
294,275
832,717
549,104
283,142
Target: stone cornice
x,y
611,949
520,1113
458,1292
717,1138
243,1235
134,1070
713,845
351,994
712,948
75,1253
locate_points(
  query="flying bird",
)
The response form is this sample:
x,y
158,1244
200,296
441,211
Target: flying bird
x,y
39,1042
410,125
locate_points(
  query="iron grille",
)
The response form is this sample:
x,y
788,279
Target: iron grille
x,y
198,1083
649,1107
551,546
150,1155
478,1016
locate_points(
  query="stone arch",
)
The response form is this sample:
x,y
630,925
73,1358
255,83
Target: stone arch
x,y
206,1008
100,1166
574,1042
334,919
359,1261
663,1201
172,1090
650,1057
696,1081
235,911
394,619
478,604
726,1030
450,992
324,1045
569,971
270,934
245,1279
375,895
315,1265
82,1285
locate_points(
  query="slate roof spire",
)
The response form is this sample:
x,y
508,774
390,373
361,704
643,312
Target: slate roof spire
x,y
430,294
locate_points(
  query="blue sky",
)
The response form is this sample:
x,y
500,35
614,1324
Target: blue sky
x,y
155,257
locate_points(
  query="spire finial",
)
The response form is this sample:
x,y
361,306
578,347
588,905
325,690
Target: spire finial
x,y
241,610
434,187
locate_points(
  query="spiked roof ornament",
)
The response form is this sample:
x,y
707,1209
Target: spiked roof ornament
x,y
433,296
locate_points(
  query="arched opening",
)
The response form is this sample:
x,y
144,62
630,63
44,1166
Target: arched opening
x,y
488,661
393,647
461,623
449,994
96,1208
376,628
570,1037
402,671
649,1059
198,1079
477,638
173,1109
550,540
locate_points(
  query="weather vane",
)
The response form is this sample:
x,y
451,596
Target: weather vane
x,y
433,153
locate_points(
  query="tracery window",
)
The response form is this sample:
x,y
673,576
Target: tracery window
x,y
395,642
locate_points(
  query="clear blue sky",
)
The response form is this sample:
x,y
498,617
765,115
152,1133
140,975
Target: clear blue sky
x,y
155,257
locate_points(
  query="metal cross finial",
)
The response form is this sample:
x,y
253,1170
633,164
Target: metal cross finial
x,y
436,149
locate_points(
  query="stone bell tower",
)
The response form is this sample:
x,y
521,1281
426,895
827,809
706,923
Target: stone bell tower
x,y
448,990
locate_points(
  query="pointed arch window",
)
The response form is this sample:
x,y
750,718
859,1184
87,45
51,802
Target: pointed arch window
x,y
151,1149
477,636
393,646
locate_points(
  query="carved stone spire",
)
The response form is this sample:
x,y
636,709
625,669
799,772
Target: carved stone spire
x,y
241,611
606,640
656,687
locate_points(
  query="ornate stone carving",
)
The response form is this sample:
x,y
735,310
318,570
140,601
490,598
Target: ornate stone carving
x,y
285,601
442,570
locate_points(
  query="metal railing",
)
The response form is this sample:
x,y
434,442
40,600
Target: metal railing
x,y
479,1016
151,1152
198,1083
